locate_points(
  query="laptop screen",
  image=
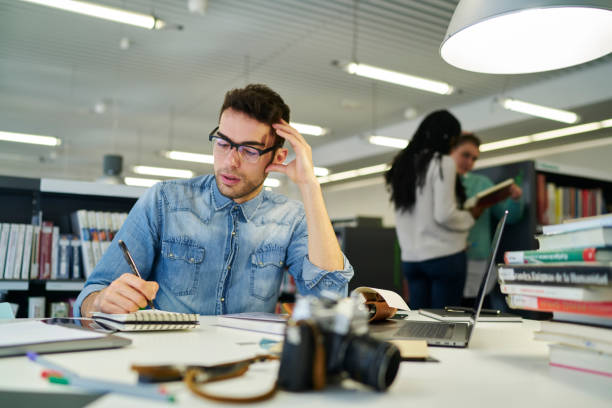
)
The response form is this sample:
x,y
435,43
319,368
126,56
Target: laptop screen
x,y
490,266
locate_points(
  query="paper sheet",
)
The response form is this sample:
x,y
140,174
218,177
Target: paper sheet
x,y
30,332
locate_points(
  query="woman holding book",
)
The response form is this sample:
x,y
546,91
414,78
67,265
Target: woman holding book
x,y
465,153
431,227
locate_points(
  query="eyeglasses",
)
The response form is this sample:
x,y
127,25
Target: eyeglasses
x,y
222,145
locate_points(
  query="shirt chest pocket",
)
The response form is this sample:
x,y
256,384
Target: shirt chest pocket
x,y
182,267
266,271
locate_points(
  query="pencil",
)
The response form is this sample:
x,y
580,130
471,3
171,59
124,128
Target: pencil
x,y
130,261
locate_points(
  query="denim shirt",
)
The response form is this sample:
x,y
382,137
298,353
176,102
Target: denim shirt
x,y
211,255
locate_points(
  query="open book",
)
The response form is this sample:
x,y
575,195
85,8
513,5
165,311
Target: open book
x,y
147,320
490,196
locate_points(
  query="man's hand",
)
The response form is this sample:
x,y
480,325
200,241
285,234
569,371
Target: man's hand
x,y
126,294
515,192
476,211
301,169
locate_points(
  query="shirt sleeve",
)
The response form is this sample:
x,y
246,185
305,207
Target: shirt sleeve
x,y
310,279
446,212
140,233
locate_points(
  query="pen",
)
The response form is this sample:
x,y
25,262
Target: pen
x,y
130,261
68,377
470,310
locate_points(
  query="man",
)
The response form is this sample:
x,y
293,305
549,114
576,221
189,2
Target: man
x,y
465,153
220,244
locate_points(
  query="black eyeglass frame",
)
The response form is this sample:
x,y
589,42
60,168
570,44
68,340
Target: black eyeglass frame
x,y
261,152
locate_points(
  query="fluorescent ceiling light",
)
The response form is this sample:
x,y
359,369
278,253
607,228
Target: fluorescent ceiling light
x,y
516,37
321,171
388,141
164,172
191,157
541,111
398,78
271,182
309,129
139,182
103,12
364,171
31,139
551,134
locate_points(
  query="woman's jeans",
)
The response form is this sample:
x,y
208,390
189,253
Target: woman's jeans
x,y
437,282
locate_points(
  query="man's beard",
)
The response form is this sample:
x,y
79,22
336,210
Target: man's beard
x,y
248,186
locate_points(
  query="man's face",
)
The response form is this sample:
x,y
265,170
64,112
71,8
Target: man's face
x,y
236,178
465,156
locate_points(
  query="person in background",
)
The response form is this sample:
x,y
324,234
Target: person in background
x,y
465,153
218,244
431,227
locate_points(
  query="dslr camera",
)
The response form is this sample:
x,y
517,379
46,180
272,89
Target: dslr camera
x,y
327,340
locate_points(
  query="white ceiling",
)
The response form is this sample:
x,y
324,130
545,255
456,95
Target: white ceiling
x,y
166,89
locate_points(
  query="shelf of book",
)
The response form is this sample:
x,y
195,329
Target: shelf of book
x,y
50,206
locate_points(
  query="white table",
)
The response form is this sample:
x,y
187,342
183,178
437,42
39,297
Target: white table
x,y
503,367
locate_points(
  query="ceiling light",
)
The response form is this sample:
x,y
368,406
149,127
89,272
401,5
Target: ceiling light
x,y
516,37
271,182
388,141
106,13
163,172
395,77
551,134
191,157
32,139
540,111
309,129
139,182
364,171
321,171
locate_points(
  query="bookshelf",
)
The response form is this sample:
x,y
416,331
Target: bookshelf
x,y
520,236
29,200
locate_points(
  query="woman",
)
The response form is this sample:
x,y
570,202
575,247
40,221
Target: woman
x,y
465,153
431,228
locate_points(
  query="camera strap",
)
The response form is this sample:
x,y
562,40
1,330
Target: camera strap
x,y
196,376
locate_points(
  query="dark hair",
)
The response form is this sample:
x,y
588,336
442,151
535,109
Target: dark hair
x,y
467,138
433,138
259,102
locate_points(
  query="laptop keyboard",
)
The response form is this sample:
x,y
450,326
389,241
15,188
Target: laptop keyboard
x,y
426,330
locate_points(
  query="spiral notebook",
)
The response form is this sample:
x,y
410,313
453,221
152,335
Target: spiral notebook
x,y
147,320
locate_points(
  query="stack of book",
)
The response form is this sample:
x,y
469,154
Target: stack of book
x,y
570,276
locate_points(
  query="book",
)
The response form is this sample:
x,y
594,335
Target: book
x,y
27,252
4,238
75,270
582,319
64,257
584,360
578,330
575,341
34,258
11,253
490,196
598,237
255,321
80,227
21,229
576,224
592,273
544,304
46,244
562,255
36,307
54,252
560,292
147,320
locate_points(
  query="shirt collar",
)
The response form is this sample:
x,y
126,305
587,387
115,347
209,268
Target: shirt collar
x,y
247,208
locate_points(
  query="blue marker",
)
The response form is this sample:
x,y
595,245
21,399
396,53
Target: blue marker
x,y
71,378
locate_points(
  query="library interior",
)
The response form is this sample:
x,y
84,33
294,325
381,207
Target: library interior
x,y
430,223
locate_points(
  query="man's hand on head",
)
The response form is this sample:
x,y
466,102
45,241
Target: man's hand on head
x,y
128,293
300,170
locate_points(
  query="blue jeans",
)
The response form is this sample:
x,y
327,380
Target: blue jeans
x,y
437,282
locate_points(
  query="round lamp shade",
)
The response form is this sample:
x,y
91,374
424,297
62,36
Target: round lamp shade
x,y
523,36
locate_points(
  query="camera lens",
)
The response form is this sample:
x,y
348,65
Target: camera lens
x,y
372,362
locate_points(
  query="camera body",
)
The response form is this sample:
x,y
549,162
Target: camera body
x,y
327,340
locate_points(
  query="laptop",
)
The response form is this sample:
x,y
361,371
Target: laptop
x,y
448,334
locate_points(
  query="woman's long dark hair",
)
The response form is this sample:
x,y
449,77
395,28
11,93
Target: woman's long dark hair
x,y
434,137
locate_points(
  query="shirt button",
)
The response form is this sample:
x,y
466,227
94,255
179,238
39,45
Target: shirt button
x,y
233,232
229,267
261,264
192,260
222,299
